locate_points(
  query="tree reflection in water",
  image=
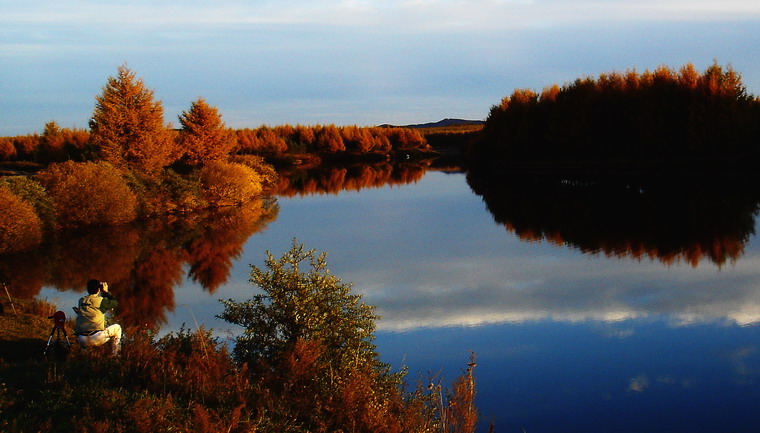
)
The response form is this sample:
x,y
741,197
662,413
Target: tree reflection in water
x,y
661,219
332,179
142,262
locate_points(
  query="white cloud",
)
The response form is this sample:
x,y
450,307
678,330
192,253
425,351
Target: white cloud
x,y
396,15
483,290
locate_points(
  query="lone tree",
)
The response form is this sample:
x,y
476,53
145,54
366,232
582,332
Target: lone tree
x,y
204,137
127,127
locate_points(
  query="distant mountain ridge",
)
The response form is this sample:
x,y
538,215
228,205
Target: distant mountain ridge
x,y
440,123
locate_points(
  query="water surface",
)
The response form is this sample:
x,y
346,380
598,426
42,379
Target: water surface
x,y
642,317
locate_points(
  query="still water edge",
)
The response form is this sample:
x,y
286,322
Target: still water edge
x,y
564,341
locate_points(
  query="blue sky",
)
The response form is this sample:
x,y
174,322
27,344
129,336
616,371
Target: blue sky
x,y
347,62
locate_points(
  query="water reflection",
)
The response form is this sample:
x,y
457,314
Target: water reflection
x,y
332,179
669,220
143,262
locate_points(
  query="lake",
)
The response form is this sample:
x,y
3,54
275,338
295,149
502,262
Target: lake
x,y
620,307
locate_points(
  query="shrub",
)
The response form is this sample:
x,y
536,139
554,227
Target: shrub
x,y
226,184
20,227
33,193
267,173
170,192
296,305
89,193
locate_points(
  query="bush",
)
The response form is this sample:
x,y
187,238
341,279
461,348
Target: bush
x,y
267,173
20,227
168,193
33,193
89,193
229,184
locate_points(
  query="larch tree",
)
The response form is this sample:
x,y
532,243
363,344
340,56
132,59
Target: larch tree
x,y
127,127
203,136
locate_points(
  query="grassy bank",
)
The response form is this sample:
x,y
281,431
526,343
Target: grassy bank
x,y
305,363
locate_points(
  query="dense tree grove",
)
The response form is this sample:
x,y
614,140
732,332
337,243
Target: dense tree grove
x,y
655,115
329,139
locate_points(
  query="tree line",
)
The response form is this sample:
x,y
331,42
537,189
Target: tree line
x,y
655,115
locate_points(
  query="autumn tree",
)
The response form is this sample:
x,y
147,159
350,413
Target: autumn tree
x,y
203,136
7,149
128,127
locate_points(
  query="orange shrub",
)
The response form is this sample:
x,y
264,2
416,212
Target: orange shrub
x,y
227,184
89,194
267,174
20,227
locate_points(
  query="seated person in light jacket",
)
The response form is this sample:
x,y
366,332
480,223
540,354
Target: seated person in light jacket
x,y
90,327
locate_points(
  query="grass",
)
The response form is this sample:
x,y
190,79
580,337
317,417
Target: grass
x,y
188,382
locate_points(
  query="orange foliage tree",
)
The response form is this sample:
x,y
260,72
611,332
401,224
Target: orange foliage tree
x,y
61,144
7,149
88,193
127,126
203,136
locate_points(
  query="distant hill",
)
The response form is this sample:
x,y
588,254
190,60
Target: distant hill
x,y
440,123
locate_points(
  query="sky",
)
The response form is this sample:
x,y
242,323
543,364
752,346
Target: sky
x,y
362,62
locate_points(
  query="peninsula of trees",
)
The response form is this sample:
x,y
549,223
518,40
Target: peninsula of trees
x,y
662,116
130,164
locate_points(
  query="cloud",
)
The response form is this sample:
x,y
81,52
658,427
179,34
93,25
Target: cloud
x,y
639,383
396,15
492,290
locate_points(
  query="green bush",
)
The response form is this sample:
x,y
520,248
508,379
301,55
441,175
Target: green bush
x,y
20,227
229,184
89,193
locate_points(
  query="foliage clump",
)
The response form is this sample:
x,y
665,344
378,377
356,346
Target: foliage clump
x,y
311,305
35,194
20,227
229,184
90,193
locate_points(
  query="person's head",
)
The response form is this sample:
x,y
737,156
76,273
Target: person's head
x,y
93,286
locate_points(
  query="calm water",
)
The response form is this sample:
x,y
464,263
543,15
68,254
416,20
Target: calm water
x,y
617,319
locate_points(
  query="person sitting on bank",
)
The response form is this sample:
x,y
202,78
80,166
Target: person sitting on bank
x,y
90,327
